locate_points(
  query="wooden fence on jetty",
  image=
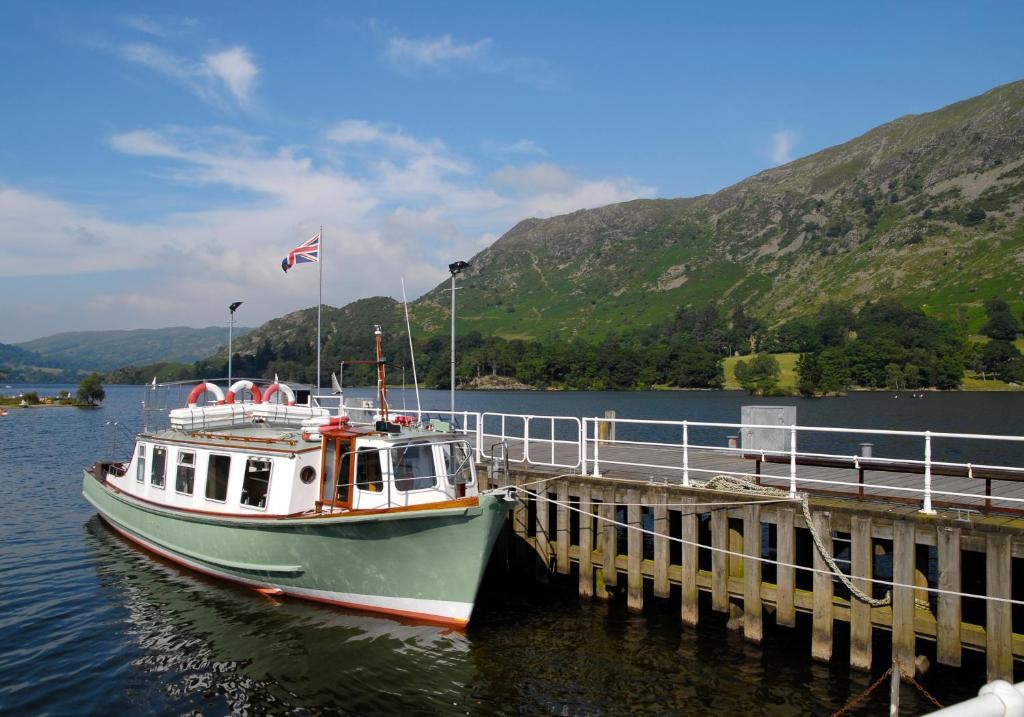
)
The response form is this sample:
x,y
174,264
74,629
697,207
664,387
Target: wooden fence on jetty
x,y
630,513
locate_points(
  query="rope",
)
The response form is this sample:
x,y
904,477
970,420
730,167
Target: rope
x,y
855,702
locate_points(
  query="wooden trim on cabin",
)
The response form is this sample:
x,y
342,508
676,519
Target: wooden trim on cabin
x,y
225,444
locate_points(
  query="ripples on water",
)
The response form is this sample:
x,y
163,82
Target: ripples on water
x,y
90,624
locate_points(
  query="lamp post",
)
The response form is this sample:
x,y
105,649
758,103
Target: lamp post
x,y
231,332
455,267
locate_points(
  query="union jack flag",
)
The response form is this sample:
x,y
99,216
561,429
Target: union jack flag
x,y
308,252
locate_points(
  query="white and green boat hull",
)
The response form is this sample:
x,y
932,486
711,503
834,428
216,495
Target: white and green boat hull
x,y
424,564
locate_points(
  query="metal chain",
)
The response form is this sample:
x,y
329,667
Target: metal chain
x,y
845,709
742,485
926,693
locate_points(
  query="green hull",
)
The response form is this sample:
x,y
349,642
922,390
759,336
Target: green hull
x,y
425,564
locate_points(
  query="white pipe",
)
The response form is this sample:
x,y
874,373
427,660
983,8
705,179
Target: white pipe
x,y
996,699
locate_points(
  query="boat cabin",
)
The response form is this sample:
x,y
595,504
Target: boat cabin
x,y
256,469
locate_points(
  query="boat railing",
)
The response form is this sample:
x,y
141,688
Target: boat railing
x,y
159,399
968,471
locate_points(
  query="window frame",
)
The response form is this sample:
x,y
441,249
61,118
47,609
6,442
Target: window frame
x,y
227,482
152,468
429,445
177,473
245,475
365,486
140,464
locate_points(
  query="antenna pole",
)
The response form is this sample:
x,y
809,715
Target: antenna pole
x,y
412,353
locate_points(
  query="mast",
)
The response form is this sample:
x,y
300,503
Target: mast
x,y
382,386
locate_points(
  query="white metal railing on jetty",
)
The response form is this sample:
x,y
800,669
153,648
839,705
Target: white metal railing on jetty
x,y
813,461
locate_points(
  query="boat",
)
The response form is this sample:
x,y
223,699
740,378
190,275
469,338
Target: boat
x,y
269,489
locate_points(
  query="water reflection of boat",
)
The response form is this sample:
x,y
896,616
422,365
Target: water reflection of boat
x,y
289,499
206,637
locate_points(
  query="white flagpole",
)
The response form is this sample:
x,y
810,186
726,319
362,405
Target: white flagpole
x,y
412,354
320,304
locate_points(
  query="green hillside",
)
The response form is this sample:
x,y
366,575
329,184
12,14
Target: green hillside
x,y
105,350
926,209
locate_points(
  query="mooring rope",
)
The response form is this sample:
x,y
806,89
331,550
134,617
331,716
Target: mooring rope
x,y
739,485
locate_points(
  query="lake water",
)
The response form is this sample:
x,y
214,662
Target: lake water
x,y
90,624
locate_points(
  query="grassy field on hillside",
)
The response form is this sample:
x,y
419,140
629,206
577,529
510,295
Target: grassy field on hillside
x,y
787,362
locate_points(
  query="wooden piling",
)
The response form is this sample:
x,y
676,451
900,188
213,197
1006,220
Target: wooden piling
x,y
735,571
520,511
611,540
719,560
606,428
541,523
752,628
688,578
562,538
586,542
948,648
600,588
661,546
860,612
903,558
998,615
634,553
785,580
821,624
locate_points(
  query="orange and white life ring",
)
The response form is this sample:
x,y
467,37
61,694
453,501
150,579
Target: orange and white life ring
x,y
205,387
284,388
238,386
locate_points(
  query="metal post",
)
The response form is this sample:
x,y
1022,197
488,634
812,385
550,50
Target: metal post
x,y
552,440
526,439
596,473
927,508
231,332
452,386
792,461
686,453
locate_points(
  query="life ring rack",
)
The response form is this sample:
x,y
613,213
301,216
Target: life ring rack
x,y
284,388
238,386
205,387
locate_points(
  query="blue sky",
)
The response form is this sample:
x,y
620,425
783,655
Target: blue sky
x,y
159,160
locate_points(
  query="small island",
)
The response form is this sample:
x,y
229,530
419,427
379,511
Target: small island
x,y
89,395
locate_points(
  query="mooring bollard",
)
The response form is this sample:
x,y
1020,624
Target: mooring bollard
x,y
866,450
734,442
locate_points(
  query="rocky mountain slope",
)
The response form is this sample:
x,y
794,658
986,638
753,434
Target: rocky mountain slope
x,y
927,209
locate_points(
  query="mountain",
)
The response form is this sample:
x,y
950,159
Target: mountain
x,y
926,209
105,350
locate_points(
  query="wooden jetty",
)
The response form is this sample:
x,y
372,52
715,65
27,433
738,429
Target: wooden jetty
x,y
950,552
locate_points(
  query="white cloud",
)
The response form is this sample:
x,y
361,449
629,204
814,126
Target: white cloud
x,y
432,52
410,56
782,146
406,214
164,26
217,78
236,70
520,146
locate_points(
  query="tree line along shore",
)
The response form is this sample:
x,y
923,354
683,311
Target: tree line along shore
x,y
883,345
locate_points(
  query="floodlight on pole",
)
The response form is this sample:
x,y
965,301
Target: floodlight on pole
x,y
231,330
456,267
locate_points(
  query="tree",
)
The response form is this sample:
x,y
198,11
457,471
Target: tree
x,y
90,390
1000,325
894,376
1003,359
808,374
760,375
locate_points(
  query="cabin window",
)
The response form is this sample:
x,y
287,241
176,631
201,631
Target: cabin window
x,y
256,482
217,470
140,464
307,475
457,464
156,477
414,467
185,478
344,484
368,473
